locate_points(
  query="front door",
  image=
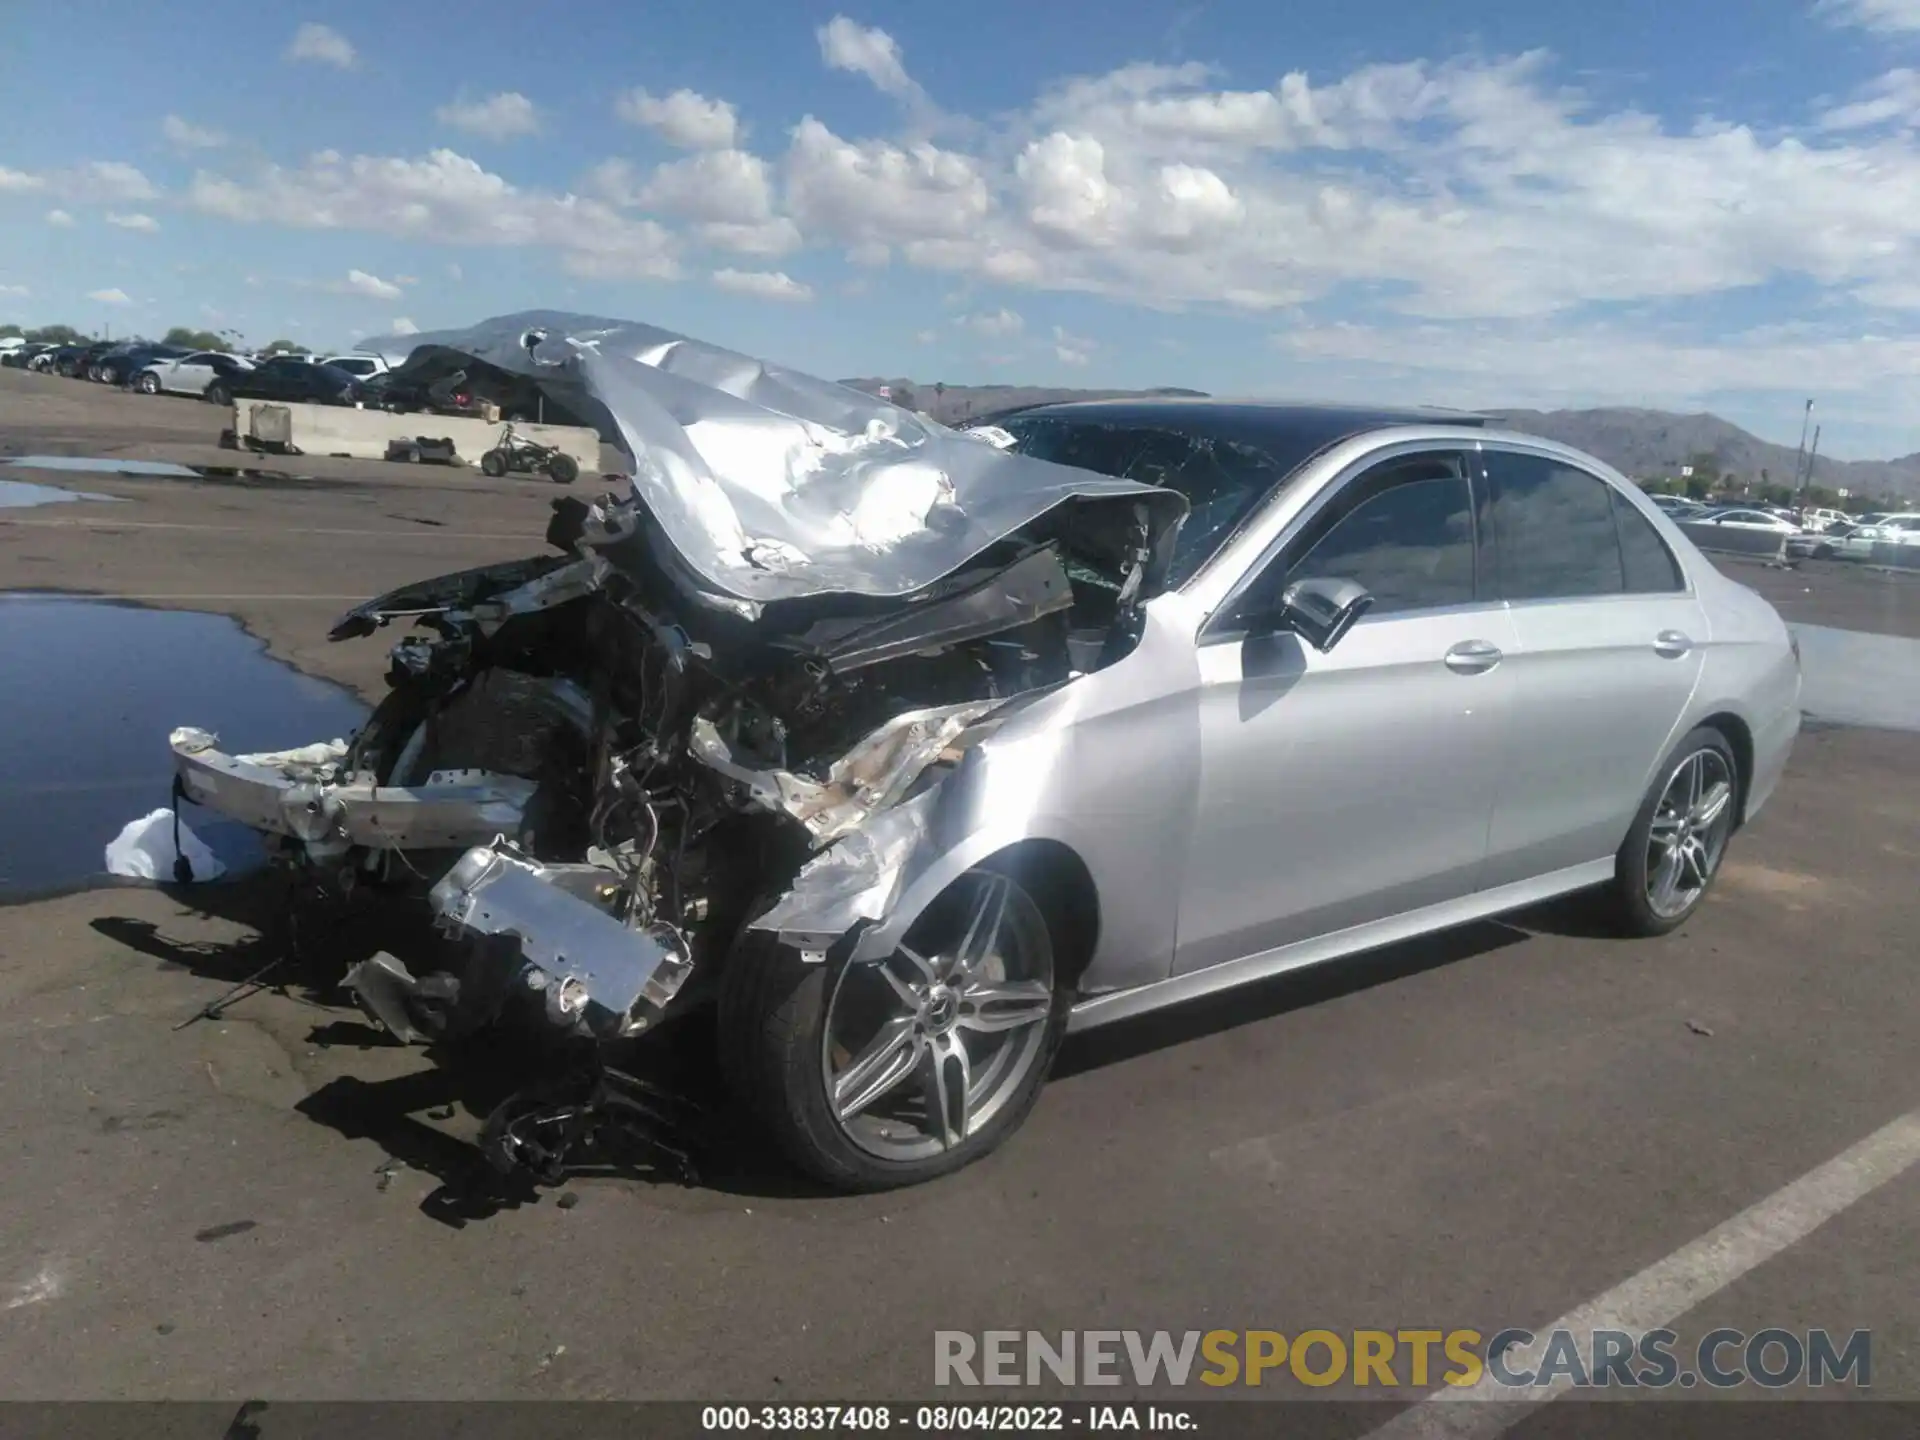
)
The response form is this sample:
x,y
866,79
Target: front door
x,y
1345,787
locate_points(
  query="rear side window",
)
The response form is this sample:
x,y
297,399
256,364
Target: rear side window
x,y
1554,530
1648,564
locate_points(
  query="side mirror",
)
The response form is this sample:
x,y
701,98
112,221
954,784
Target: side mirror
x,y
1320,611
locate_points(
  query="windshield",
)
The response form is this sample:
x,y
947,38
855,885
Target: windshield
x,y
1222,479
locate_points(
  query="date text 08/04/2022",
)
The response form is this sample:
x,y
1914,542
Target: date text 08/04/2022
x,y
944,1419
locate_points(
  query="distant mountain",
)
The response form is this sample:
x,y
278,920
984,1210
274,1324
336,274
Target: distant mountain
x,y
1646,444
1649,444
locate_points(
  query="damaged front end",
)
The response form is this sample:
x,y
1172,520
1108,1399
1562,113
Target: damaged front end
x,y
600,766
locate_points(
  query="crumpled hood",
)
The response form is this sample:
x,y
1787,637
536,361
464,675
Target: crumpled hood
x,y
771,484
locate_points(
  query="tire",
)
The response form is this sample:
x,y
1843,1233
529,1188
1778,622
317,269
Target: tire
x,y
777,1050
493,464
217,394
563,470
1634,894
148,383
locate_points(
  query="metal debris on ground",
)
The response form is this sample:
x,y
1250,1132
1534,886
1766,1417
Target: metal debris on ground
x,y
1697,1028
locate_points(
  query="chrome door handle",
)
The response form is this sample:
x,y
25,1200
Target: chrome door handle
x,y
1672,644
1473,657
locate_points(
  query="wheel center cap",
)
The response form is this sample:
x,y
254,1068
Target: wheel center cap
x,y
943,1008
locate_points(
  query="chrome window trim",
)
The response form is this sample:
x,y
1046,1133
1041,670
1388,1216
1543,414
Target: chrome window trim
x,y
1233,568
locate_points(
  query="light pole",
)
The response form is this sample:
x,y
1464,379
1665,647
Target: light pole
x,y
1800,458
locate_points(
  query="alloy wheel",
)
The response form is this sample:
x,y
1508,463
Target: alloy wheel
x,y
923,1049
1689,832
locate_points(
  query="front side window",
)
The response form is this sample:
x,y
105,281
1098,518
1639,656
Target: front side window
x,y
1406,534
1553,527
1404,530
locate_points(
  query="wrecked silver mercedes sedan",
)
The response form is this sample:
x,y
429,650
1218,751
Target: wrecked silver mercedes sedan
x,y
910,746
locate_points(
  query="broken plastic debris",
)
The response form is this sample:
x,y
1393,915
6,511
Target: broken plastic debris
x,y
191,740
143,850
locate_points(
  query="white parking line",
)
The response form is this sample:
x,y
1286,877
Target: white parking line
x,y
1668,1288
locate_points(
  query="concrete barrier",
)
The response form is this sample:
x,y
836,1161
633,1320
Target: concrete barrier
x,y
1895,556
366,434
1730,541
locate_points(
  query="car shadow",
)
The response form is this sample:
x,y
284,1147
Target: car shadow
x,y
1263,1000
470,1080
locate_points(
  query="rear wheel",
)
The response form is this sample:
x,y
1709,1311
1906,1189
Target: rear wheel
x,y
1678,839
494,463
877,1074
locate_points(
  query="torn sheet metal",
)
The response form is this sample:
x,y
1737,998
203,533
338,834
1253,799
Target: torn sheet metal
x,y
591,967
771,484
857,878
302,793
871,776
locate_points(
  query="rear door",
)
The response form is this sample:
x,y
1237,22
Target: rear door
x,y
1608,648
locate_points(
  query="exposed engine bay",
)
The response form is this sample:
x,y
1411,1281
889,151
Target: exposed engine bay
x,y
602,766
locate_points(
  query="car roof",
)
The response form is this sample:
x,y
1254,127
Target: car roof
x,y
1251,422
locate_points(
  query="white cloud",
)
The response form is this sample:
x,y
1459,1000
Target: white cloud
x,y
875,191
19,180
105,182
454,272
17,290
1887,16
321,44
359,282
848,45
1072,349
1541,364
1000,322
184,135
722,185
403,326
1894,96
146,224
498,117
926,337
443,197
59,217
684,118
767,284
778,236
110,297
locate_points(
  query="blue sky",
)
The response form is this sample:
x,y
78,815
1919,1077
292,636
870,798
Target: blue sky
x,y
1671,203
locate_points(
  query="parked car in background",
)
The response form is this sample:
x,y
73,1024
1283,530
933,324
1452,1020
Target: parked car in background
x,y
1670,503
1901,529
1819,519
118,367
1750,519
284,378
1853,542
21,357
188,374
361,367
82,357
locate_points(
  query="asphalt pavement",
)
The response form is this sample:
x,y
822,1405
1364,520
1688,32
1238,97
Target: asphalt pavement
x,y
1488,1128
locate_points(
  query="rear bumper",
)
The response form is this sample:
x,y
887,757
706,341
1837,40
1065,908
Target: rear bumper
x,y
304,795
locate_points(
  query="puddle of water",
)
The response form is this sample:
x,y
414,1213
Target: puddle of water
x,y
20,494
83,740
160,468
1854,678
